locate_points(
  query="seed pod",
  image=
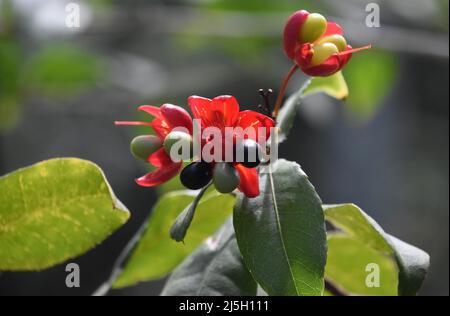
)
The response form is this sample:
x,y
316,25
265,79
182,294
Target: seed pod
x,y
196,175
248,153
225,177
178,144
143,146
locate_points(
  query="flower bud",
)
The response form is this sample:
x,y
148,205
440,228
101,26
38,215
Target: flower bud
x,y
337,40
143,146
178,145
225,177
313,28
322,52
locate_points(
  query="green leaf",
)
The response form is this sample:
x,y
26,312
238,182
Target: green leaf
x,y
334,86
281,233
53,211
215,268
156,254
348,258
411,264
184,220
173,184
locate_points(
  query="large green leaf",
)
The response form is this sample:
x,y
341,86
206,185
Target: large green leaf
x,y
216,268
53,211
156,254
335,86
366,237
281,233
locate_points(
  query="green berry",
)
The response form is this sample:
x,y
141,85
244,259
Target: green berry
x,y
143,146
181,144
313,28
322,52
225,177
337,40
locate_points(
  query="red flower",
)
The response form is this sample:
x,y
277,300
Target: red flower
x,y
223,111
220,112
318,47
167,118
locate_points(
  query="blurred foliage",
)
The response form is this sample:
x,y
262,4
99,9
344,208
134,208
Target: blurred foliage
x,y
10,58
253,51
9,112
62,70
9,83
444,10
57,71
370,76
263,5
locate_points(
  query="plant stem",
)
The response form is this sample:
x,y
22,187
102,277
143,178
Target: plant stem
x,y
283,90
122,260
330,287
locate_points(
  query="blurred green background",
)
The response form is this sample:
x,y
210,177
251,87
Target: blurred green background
x,y
385,148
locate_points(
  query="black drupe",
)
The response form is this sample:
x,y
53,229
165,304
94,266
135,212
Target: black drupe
x,y
196,175
250,151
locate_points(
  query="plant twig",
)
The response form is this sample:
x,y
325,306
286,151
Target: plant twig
x,y
333,289
283,90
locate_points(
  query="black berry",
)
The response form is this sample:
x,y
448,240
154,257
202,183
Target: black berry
x,y
248,153
196,175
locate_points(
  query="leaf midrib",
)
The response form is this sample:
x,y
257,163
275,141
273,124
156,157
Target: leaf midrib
x,y
275,204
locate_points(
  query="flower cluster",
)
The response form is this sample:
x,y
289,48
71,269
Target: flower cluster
x,y
317,46
173,125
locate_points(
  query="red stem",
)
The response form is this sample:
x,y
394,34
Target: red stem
x,y
283,90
